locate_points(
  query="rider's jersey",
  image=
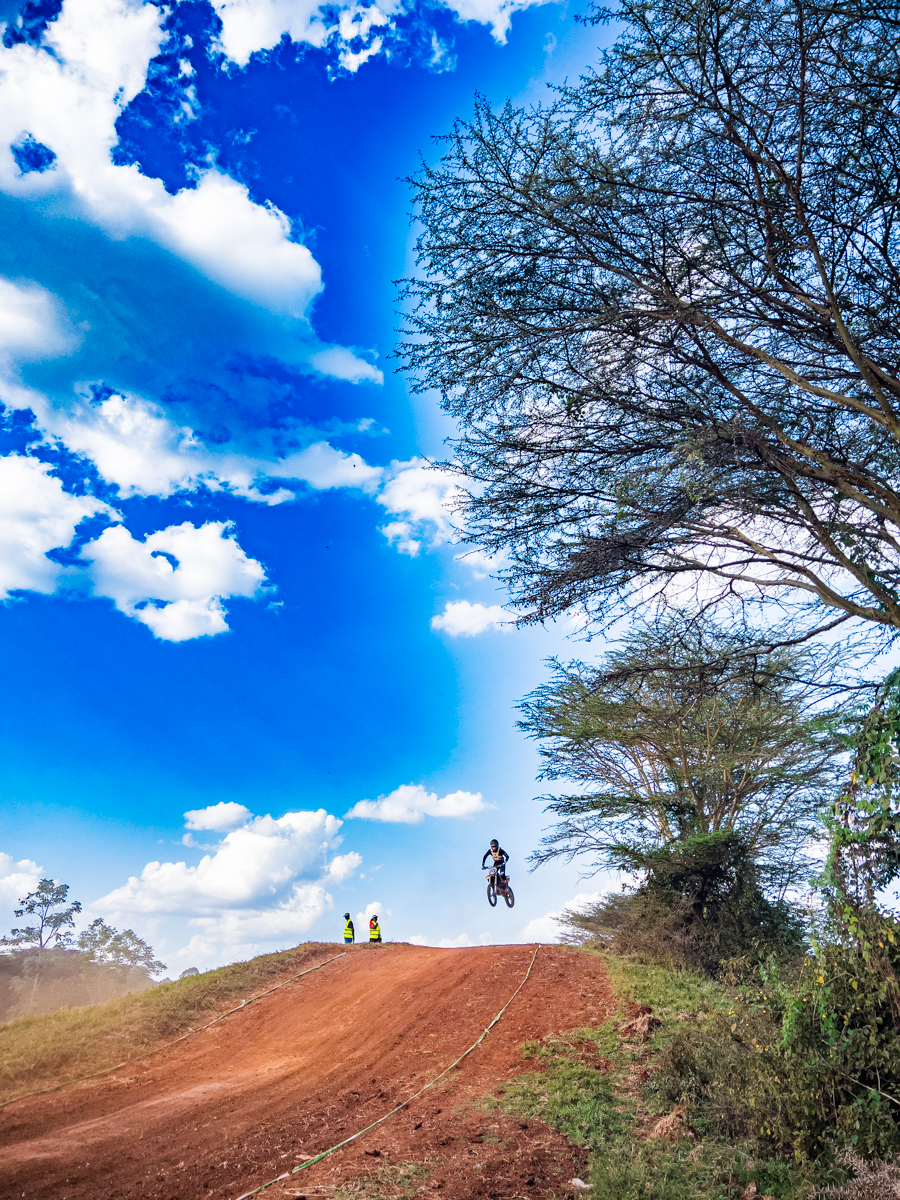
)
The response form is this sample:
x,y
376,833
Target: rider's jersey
x,y
499,856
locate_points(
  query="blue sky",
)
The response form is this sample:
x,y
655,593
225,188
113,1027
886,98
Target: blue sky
x,y
247,681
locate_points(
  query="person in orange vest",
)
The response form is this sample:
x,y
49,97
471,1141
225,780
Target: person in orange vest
x,y
374,930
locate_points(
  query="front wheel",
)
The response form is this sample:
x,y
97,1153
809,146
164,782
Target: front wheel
x,y
508,897
492,896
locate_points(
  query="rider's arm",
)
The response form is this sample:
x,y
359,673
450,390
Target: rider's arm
x,y
484,858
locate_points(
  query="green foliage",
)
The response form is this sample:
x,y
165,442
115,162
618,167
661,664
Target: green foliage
x,y
839,1053
586,1089
53,920
695,751
700,907
117,951
579,1100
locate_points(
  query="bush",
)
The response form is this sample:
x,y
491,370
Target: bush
x,y
699,908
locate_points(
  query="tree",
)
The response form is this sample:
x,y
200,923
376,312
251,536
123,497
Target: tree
x,y
54,922
699,768
52,930
118,952
665,313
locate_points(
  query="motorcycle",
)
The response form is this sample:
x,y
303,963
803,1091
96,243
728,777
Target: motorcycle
x,y
498,885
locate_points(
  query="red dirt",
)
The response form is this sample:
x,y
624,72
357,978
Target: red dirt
x,y
311,1064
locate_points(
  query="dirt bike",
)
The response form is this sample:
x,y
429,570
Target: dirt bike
x,y
498,885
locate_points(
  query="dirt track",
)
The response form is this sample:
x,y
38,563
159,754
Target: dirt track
x,y
311,1064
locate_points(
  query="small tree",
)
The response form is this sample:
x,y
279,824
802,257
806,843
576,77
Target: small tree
x,y
53,921
701,767
52,928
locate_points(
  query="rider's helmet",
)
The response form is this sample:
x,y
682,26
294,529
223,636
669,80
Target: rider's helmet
x,y
495,845
346,916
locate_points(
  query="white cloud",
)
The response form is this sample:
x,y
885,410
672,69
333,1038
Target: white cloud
x,y
17,879
341,363
138,448
423,499
252,25
36,515
409,804
32,324
374,909
245,929
218,817
178,601
481,563
69,100
546,928
321,466
342,866
496,13
462,619
256,867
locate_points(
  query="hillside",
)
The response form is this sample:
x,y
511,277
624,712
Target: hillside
x,y
306,1066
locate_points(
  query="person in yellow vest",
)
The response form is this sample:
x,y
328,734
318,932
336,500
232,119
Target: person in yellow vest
x,y
349,931
374,930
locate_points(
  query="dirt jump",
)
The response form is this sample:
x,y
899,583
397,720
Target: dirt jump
x,y
310,1064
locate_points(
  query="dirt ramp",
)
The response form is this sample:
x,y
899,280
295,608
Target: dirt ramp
x,y
309,1065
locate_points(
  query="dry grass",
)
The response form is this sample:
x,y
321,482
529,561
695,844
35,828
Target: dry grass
x,y
43,1051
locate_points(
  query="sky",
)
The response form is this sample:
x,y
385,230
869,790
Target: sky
x,y
250,679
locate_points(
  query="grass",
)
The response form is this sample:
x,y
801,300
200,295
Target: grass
x,y
602,1093
43,1051
390,1181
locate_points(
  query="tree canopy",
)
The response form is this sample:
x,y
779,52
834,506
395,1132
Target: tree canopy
x,y
684,750
665,313
53,918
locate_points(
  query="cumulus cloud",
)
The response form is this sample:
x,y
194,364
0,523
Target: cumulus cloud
x,y
496,13
462,619
410,803
36,515
257,866
342,866
243,930
423,500
322,466
266,883
69,100
32,324
547,929
176,580
17,879
217,817
249,26
375,909
341,363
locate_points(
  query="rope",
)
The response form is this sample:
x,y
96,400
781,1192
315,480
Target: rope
x,y
190,1033
318,1157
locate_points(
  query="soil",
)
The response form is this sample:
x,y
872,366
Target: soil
x,y
309,1065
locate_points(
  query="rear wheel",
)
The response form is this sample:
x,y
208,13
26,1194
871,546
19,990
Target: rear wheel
x,y
508,896
492,896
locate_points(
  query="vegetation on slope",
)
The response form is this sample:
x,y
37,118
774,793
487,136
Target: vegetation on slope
x,y
45,1051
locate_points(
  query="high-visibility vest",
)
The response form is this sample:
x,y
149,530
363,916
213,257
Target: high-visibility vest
x,y
348,931
374,933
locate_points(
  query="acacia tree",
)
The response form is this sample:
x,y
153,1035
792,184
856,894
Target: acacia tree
x,y
697,765
665,312
52,928
116,954
53,919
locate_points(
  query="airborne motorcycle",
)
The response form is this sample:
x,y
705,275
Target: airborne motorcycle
x,y
498,885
